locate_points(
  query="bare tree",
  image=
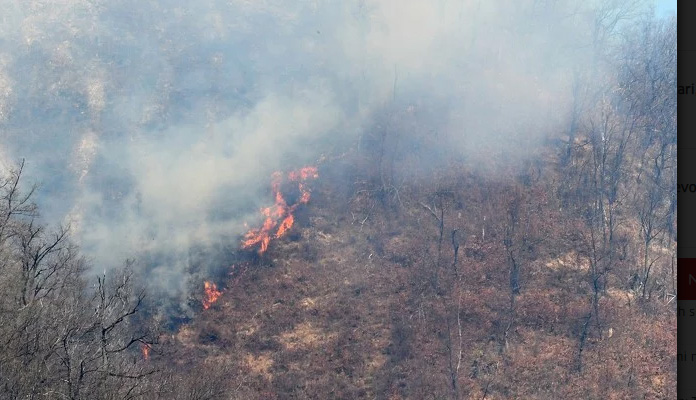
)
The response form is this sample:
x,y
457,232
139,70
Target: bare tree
x,y
60,337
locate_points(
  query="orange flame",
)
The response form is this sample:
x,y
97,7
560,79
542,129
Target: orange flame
x,y
303,174
285,225
211,294
279,217
145,349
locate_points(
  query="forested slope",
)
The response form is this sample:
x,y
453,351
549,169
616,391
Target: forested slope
x,y
226,212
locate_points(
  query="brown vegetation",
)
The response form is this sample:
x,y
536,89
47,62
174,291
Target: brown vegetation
x,y
547,279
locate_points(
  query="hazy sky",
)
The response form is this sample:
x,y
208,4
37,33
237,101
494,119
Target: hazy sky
x,y
665,7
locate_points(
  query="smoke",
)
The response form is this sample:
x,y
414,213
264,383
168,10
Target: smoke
x,y
153,127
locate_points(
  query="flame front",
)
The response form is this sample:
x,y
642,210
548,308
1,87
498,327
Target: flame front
x,y
279,218
145,349
211,294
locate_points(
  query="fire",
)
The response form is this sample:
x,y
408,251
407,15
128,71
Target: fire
x,y
145,349
211,294
279,218
285,225
303,174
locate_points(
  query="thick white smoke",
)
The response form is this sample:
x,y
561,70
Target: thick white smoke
x,y
154,126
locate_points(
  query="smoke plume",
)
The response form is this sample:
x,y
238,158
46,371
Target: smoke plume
x,y
154,127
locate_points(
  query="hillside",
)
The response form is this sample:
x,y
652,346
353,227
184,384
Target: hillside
x,y
365,199
356,303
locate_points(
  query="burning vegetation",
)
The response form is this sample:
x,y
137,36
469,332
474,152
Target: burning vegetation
x,y
279,218
211,294
145,349
429,263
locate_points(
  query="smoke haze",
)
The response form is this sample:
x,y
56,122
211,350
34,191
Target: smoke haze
x,y
153,127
